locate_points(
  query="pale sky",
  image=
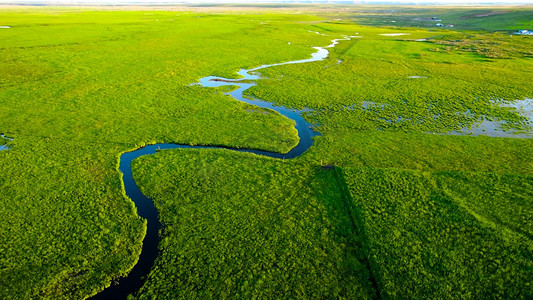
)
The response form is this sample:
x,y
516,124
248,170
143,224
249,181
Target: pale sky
x,y
496,2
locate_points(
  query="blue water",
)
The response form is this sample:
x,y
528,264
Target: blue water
x,y
145,206
494,128
4,147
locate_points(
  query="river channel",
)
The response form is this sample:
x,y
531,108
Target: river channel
x,y
145,206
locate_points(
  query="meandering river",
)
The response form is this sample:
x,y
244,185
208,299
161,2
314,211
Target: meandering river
x,y
4,147
145,206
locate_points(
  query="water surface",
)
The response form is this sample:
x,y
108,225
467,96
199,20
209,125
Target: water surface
x,y
145,206
495,128
4,147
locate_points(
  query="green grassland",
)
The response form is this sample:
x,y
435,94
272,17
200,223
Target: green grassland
x,y
457,87
77,92
411,212
246,226
475,18
446,235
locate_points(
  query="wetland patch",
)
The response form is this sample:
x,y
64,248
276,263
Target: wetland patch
x,y
146,207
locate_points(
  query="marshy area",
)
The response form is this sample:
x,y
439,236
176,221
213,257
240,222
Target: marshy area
x,y
414,178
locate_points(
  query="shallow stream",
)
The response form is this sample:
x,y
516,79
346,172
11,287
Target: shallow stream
x,y
145,206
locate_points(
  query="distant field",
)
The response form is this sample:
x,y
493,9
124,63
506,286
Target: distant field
x,y
390,201
484,18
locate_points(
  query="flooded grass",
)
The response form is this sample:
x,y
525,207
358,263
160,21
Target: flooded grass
x,y
501,128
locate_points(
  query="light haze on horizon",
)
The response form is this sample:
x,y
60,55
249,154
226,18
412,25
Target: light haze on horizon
x,y
177,2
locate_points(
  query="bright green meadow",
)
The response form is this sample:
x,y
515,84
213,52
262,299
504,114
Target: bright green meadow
x,y
391,201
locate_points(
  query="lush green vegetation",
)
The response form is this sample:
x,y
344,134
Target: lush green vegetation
x,y
373,88
77,89
423,215
446,235
486,18
420,151
250,227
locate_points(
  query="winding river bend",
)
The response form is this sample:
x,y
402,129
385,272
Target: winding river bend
x,y
4,147
145,206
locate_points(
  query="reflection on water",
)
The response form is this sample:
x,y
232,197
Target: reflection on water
x,y
497,128
4,147
524,107
304,128
145,206
484,126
